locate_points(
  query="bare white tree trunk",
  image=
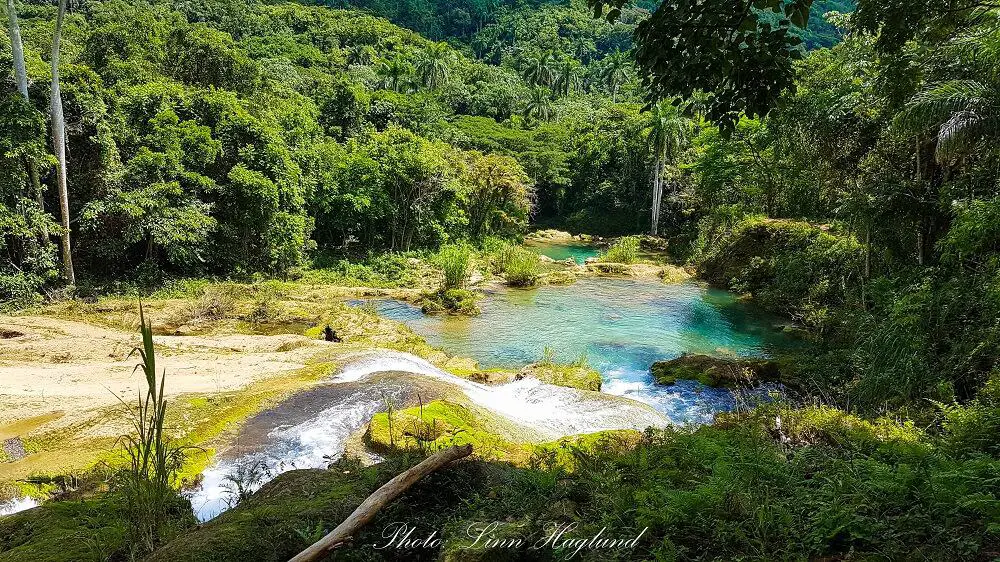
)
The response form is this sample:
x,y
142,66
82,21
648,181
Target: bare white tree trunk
x,y
17,49
369,508
654,211
59,145
21,77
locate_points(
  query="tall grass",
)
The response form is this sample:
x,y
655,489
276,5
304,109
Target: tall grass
x,y
145,483
521,268
500,254
624,250
455,261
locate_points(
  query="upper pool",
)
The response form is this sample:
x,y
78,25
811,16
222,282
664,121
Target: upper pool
x,y
621,326
560,251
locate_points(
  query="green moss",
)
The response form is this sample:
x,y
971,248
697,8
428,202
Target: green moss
x,y
558,278
75,531
715,371
440,424
61,532
573,376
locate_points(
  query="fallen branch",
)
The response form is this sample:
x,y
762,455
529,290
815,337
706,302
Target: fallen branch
x,y
382,497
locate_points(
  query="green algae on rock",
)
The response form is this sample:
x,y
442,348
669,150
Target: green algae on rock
x,y
715,371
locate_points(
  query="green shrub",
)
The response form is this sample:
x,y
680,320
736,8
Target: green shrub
x,y
455,261
454,301
789,267
521,268
390,270
624,250
19,290
500,255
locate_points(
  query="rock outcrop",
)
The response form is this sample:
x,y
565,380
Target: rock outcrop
x,y
716,371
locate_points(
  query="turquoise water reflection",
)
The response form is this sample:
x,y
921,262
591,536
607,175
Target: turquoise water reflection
x,y
621,326
559,252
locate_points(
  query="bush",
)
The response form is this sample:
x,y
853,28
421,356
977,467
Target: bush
x,y
19,290
454,301
625,250
500,253
455,261
790,267
521,268
390,270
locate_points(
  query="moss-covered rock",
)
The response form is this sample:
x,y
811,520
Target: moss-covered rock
x,y
574,376
452,301
274,524
440,424
571,375
715,371
790,267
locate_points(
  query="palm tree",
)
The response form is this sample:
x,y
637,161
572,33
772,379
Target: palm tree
x,y
395,74
360,55
539,105
59,145
433,66
963,111
539,72
615,71
568,77
959,112
667,133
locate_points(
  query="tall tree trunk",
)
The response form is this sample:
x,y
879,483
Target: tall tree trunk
x,y
656,190
59,145
21,77
17,49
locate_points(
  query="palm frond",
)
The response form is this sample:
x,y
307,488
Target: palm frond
x,y
958,134
929,109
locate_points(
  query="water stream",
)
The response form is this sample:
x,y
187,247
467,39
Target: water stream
x,y
618,326
16,505
562,251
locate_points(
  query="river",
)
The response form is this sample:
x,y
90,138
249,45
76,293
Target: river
x,y
618,326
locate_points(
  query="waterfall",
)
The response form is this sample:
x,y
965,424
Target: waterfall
x,y
537,411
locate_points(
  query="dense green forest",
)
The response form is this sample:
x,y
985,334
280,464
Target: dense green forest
x,y
845,176
231,138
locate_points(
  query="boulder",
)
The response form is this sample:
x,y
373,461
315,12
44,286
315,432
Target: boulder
x,y
715,371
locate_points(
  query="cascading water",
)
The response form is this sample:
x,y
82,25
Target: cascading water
x,y
313,443
16,505
621,326
536,412
545,410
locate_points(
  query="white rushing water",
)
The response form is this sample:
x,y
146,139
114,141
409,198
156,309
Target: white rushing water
x,y
550,411
312,444
18,504
540,411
